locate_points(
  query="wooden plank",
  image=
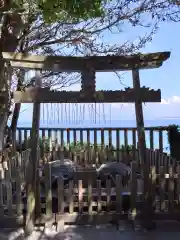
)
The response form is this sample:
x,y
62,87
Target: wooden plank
x,y
102,139
153,183
46,96
96,148
68,144
9,191
102,146
134,144
60,195
89,147
99,206
48,190
118,194
68,137
95,139
171,188
160,141
140,121
18,193
158,156
20,139
56,136
94,190
125,139
25,139
43,149
162,188
34,146
151,139
98,63
133,190
178,185
70,199
142,144
88,80
1,193
110,138
80,196
38,197
90,196
62,138
81,138
50,139
108,189
32,183
74,137
118,145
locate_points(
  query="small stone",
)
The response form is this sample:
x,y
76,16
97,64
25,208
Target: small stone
x,y
60,226
29,228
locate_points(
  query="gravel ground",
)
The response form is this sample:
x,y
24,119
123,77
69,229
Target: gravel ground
x,y
164,231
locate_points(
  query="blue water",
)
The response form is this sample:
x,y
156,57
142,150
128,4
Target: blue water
x,y
115,123
108,123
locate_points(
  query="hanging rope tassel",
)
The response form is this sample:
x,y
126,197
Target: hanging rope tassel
x,y
43,113
65,113
90,112
61,112
84,110
95,113
110,113
73,114
58,106
69,108
47,107
104,116
99,105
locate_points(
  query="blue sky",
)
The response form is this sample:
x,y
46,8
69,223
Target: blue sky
x,y
166,78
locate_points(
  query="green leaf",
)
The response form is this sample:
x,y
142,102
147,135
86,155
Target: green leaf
x,y
55,10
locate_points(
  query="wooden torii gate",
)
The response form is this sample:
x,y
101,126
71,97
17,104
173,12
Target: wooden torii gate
x,y
88,66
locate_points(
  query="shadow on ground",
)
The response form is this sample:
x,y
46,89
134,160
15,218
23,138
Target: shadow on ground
x,y
165,231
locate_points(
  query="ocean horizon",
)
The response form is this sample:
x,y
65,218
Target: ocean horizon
x,y
109,123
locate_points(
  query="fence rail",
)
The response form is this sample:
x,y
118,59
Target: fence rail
x,y
84,199
156,137
100,203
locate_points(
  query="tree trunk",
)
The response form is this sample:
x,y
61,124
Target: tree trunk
x,y
4,105
16,111
11,27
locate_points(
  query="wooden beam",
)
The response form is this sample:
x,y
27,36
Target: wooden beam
x,y
45,96
33,190
142,146
77,64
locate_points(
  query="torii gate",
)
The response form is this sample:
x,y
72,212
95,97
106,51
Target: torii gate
x,y
88,66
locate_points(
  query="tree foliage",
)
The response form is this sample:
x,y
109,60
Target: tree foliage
x,y
56,10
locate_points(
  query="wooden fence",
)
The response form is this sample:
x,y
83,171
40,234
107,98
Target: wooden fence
x,y
90,145
88,158
93,204
155,137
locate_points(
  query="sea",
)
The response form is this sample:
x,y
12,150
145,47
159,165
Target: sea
x,y
108,124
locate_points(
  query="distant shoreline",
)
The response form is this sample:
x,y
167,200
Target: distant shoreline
x,y
108,123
